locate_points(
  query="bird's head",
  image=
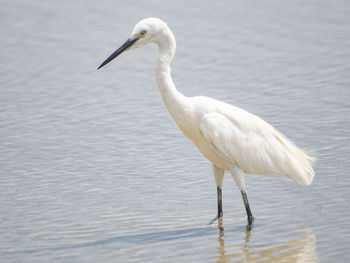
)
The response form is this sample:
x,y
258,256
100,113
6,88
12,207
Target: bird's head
x,y
149,30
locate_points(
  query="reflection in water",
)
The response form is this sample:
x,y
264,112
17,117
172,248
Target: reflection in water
x,y
296,250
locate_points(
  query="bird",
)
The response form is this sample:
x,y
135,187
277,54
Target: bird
x,y
231,138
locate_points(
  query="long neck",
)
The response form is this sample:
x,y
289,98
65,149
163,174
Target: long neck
x,y
173,99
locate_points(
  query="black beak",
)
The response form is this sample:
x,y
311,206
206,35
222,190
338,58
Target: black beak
x,y
120,50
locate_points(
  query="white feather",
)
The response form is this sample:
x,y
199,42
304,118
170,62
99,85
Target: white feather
x,y
252,144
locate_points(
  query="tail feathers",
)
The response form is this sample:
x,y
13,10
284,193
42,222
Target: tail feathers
x,y
299,164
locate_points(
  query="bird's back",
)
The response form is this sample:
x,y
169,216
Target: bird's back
x,y
249,142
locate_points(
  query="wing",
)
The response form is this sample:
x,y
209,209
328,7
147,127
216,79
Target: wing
x,y
236,143
255,146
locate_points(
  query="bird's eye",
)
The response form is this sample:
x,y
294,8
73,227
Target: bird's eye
x,y
143,33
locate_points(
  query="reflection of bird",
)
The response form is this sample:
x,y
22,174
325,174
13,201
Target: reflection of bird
x,y
230,138
302,248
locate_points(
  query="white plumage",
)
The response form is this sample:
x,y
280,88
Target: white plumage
x,y
247,141
231,138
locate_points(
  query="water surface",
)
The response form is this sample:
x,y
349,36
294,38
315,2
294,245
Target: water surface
x,y
93,168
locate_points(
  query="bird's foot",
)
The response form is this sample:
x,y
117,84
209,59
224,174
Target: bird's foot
x,y
213,220
250,223
216,218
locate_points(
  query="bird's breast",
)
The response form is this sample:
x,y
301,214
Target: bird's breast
x,y
187,117
191,130
208,151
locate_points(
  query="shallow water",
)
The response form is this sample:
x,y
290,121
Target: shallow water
x,y
93,168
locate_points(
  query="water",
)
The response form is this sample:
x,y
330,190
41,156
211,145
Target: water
x,y
93,168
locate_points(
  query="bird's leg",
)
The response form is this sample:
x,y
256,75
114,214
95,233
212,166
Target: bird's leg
x,y
219,176
219,193
247,208
238,176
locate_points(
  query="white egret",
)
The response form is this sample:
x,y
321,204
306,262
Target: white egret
x,y
231,138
